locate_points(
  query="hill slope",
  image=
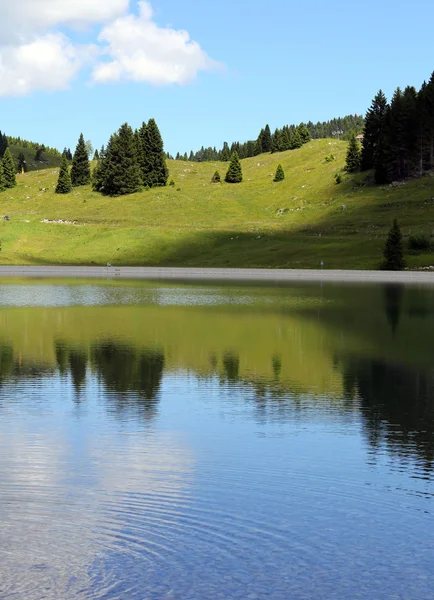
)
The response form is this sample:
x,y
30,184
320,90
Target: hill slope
x,y
297,223
48,160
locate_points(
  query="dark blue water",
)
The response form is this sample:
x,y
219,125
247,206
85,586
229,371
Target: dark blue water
x,y
210,442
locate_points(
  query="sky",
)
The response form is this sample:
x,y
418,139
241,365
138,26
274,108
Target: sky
x,y
207,72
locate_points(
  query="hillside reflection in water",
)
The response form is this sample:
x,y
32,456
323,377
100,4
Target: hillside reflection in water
x,y
187,441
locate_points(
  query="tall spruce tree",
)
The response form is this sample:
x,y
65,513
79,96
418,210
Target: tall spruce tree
x,y
280,173
152,158
234,173
80,171
118,172
64,183
266,139
352,163
304,133
225,156
3,144
374,123
96,154
2,178
9,169
22,164
393,251
295,140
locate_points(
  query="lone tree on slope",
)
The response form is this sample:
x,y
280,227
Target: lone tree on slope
x,y
80,172
64,184
280,173
234,173
352,163
9,169
393,251
216,178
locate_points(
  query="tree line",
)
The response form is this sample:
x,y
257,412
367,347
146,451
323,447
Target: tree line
x,y
130,161
398,140
286,138
8,140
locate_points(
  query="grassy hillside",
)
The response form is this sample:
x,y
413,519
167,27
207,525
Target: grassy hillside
x,y
297,223
48,160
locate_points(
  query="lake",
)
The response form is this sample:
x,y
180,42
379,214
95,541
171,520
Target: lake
x,y
170,441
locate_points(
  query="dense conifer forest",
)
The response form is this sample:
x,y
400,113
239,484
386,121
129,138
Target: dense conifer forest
x,y
288,137
399,136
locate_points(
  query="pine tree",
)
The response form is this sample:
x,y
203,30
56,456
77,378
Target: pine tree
x,y
96,154
226,157
118,172
216,178
304,133
64,184
352,163
2,178
153,159
266,139
9,169
3,144
374,123
234,173
393,251
280,173
295,140
80,171
22,164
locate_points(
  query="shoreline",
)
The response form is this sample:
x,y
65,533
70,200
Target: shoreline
x,y
217,274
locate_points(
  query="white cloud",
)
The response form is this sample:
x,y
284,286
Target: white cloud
x,y
35,55
29,15
142,51
49,62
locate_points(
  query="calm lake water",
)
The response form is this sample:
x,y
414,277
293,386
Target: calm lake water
x,y
173,441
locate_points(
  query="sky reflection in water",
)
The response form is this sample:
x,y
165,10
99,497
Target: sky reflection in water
x,y
199,442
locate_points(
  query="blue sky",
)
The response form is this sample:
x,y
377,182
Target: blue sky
x,y
254,63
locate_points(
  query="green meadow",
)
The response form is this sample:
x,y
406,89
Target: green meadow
x,y
296,223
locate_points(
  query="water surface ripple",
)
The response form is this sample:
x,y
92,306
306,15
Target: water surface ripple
x,y
191,442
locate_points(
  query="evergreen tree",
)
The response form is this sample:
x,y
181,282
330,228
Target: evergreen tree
x,y
2,178
295,140
64,184
3,144
69,154
98,175
118,171
216,178
96,154
22,164
304,133
266,139
9,169
280,173
374,123
225,157
393,251
234,173
153,159
259,148
80,171
352,163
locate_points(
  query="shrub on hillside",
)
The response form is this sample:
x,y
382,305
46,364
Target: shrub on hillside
x,y
216,178
419,243
280,173
338,178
